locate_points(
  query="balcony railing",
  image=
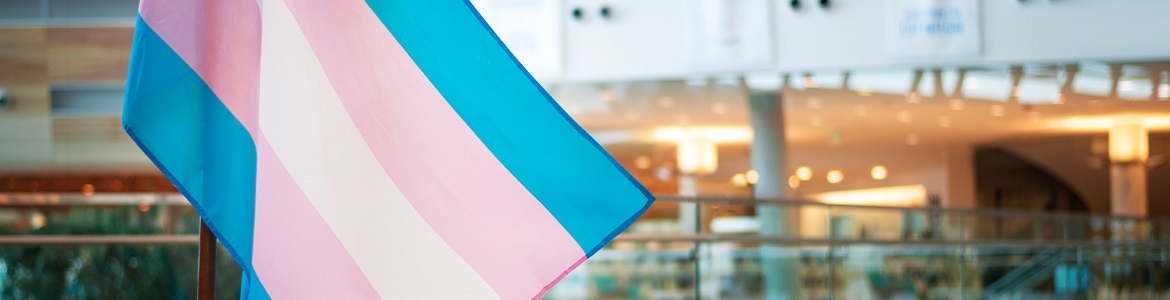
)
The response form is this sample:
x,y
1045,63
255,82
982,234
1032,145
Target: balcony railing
x,y
822,251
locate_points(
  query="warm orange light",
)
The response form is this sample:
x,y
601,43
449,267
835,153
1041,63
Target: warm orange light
x,y
1129,143
804,173
642,162
697,156
738,180
36,220
997,110
835,176
956,104
1109,121
909,195
752,176
879,172
717,134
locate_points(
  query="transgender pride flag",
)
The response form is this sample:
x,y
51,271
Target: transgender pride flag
x,y
382,149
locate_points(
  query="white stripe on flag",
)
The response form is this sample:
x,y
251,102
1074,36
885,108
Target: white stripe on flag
x,y
312,134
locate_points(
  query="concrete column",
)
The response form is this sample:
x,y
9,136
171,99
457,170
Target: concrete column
x,y
687,187
1128,189
1128,150
769,158
960,184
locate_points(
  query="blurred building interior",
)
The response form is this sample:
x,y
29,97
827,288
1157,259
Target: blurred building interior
x,y
1018,123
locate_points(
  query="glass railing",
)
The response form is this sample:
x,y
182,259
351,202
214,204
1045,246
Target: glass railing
x,y
146,247
651,269
829,251
110,269
111,246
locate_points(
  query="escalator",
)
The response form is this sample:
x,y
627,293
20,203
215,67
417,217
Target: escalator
x,y
1024,278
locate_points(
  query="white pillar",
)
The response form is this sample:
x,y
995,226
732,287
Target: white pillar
x,y
1128,150
769,158
1128,189
696,155
686,210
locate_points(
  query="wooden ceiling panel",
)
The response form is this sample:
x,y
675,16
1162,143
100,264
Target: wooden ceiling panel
x,y
89,54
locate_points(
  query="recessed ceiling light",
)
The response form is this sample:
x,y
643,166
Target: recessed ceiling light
x,y
752,176
879,172
997,110
804,173
793,182
956,104
835,176
642,162
904,116
738,180
813,103
944,121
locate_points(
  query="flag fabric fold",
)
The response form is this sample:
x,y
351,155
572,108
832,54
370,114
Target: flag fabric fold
x,y
370,149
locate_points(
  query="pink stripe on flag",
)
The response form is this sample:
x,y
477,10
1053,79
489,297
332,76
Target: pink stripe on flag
x,y
442,168
295,253
220,40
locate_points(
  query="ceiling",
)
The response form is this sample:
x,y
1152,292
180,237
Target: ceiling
x,y
827,111
853,122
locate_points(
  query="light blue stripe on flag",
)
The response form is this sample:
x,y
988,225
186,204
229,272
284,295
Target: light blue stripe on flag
x,y
192,137
573,177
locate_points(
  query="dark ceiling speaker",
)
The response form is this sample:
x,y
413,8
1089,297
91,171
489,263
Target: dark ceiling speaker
x,y
824,4
606,12
577,13
794,4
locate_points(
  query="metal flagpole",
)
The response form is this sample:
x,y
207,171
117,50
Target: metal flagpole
x,y
207,245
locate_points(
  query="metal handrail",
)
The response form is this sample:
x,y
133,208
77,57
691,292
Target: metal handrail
x,y
105,199
70,240
704,238
974,211
715,238
79,199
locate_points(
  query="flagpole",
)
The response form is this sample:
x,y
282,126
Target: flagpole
x,y
207,245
